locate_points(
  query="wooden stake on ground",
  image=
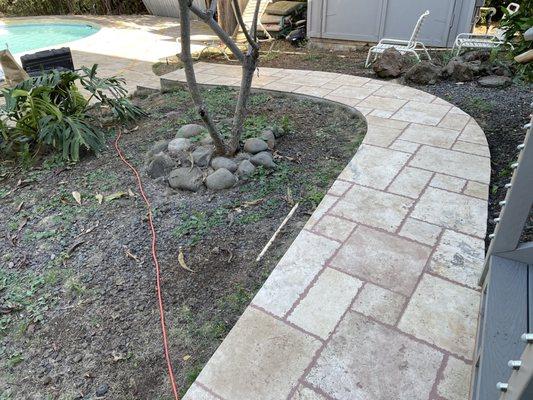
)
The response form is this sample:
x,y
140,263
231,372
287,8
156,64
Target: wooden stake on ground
x,y
260,256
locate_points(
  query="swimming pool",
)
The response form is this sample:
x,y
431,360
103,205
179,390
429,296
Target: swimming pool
x,y
20,38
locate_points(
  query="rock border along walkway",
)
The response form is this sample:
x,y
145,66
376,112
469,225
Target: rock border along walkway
x,y
377,297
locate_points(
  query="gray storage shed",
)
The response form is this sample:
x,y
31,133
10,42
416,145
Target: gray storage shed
x,y
372,20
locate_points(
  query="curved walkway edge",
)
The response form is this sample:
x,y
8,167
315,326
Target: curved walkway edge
x,y
377,298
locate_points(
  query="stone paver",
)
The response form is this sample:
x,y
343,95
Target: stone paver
x,y
410,182
367,168
451,210
325,303
382,210
379,303
375,256
453,163
303,393
459,258
420,231
376,298
434,136
443,314
302,262
453,386
364,357
253,361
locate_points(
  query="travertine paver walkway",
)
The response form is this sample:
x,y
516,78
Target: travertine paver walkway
x,y
376,299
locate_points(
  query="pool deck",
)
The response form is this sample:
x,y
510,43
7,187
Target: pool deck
x,y
126,45
377,297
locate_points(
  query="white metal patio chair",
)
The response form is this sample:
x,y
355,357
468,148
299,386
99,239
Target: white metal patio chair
x,y
411,46
486,41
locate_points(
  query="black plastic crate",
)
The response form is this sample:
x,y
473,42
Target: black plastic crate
x,y
47,60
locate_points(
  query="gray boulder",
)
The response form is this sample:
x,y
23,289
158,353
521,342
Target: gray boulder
x,y
494,81
176,146
206,140
189,131
220,179
255,145
423,73
223,162
461,71
263,159
242,156
186,178
246,168
390,64
202,155
159,146
160,166
476,55
268,136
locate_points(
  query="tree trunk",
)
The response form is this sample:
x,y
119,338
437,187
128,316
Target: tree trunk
x,y
248,70
191,78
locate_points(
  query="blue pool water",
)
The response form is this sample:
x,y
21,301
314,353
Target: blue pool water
x,y
22,38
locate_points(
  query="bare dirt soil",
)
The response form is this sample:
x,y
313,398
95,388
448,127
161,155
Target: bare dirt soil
x,y
78,314
501,113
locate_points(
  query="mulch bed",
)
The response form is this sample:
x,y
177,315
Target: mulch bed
x,y
79,314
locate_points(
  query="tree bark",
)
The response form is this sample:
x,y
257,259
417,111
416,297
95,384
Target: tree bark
x,y
248,69
185,27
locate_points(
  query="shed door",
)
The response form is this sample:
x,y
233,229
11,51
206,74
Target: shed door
x,y
401,16
352,19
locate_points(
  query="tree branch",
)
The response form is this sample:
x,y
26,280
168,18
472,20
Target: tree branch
x,y
186,58
238,15
209,20
255,21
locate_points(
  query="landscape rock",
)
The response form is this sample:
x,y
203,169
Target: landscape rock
x,y
246,168
102,390
263,159
189,131
160,165
206,140
423,73
268,136
159,146
186,178
224,162
461,71
476,55
178,145
390,64
242,156
220,179
494,81
255,145
202,155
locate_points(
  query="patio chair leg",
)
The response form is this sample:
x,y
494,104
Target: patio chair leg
x,y
425,51
367,63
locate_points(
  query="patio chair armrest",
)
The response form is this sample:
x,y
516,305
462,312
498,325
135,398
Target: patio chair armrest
x,y
393,41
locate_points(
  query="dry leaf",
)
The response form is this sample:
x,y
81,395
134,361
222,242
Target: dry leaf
x,y
130,193
77,197
187,357
19,207
99,198
115,196
181,260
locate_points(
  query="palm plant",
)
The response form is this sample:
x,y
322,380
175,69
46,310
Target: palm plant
x,y
49,110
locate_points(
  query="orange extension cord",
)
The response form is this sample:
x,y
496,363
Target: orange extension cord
x,y
156,264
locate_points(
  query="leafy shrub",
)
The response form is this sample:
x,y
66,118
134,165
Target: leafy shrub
x,y
515,25
54,7
49,111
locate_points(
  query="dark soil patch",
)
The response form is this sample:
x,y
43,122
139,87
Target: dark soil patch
x,y
75,318
501,113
